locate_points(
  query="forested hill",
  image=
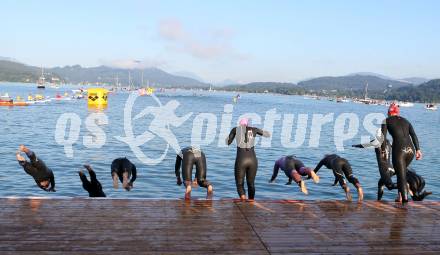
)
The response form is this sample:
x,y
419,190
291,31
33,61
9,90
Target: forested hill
x,y
428,92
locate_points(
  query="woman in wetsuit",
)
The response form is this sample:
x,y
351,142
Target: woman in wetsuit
x,y
246,162
341,167
404,143
189,157
294,169
122,169
93,186
36,168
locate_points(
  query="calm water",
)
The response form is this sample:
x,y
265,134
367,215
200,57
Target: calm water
x,y
35,127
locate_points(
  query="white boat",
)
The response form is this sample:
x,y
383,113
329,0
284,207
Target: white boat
x,y
41,80
431,107
405,104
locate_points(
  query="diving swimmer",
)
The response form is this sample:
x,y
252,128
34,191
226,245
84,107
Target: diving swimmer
x,y
246,162
341,167
189,157
405,141
122,169
294,169
93,186
36,168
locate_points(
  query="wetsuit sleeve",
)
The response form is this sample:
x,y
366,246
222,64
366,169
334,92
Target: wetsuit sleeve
x,y
320,164
31,155
26,166
373,143
414,137
276,168
133,174
261,132
231,136
177,166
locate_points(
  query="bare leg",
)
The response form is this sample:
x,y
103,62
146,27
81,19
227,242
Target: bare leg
x,y
115,180
187,190
303,187
125,180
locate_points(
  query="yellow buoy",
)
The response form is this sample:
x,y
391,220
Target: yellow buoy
x,y
30,98
97,97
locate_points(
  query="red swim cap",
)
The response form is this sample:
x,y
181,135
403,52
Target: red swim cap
x,y
394,109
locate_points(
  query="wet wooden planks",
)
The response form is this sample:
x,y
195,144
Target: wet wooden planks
x,y
118,226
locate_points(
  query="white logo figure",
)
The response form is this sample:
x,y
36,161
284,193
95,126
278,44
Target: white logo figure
x,y
163,117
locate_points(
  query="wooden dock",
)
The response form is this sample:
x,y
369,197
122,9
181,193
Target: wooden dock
x,y
121,226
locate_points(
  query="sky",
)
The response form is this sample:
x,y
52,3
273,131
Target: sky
x,y
243,41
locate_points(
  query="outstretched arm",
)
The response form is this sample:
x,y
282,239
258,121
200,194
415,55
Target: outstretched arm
x,y
276,168
320,164
91,173
373,143
262,132
231,136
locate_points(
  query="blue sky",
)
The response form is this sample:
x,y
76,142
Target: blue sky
x,y
240,40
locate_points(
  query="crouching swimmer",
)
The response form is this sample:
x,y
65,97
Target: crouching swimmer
x,y
294,169
93,186
187,158
36,168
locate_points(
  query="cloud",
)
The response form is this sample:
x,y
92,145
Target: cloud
x,y
215,43
132,63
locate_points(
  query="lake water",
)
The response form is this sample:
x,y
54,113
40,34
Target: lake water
x,y
35,127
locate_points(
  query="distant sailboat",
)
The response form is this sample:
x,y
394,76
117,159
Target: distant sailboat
x,y
40,83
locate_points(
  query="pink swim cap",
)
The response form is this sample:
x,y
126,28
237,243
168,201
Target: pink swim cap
x,y
244,122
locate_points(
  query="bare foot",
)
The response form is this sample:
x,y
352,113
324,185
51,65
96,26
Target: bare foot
x,y
188,192
210,192
115,181
409,190
243,197
303,187
315,177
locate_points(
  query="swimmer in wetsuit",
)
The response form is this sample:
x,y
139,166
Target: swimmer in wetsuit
x,y
416,183
36,168
189,157
404,143
246,162
341,167
294,169
93,186
122,169
383,158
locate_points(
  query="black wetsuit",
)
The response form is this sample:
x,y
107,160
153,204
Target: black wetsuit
x,y
93,186
340,167
404,143
38,170
386,170
416,185
246,162
122,165
190,157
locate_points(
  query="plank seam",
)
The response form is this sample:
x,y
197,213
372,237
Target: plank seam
x,y
253,229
